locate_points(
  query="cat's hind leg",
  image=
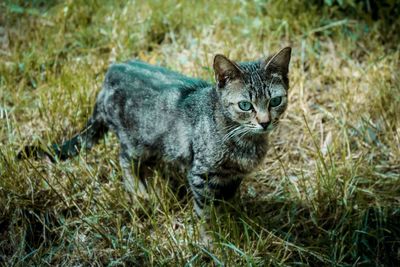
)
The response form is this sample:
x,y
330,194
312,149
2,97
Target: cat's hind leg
x,y
129,165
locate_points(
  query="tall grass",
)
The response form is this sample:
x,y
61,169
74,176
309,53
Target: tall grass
x,y
327,195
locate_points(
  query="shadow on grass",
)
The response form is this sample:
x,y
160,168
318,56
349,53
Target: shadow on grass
x,y
331,234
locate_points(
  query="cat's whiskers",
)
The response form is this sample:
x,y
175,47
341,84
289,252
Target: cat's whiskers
x,y
232,133
242,134
227,131
239,134
228,128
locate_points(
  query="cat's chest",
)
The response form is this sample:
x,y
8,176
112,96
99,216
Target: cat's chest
x,y
212,152
244,157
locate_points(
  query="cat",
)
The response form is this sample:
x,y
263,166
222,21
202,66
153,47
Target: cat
x,y
217,133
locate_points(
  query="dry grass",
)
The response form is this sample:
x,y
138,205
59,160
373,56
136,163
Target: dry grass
x,y
328,193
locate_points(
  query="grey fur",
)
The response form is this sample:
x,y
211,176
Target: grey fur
x,y
160,115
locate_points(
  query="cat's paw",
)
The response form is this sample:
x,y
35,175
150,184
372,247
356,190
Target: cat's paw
x,y
205,238
135,186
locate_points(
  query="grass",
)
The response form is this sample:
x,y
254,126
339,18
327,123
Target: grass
x,y
327,195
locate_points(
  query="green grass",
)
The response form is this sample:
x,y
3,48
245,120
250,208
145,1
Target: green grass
x,y
327,195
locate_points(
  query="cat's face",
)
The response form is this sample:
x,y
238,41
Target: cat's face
x,y
253,95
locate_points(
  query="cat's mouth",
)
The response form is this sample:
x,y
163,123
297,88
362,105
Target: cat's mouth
x,y
257,131
248,130
264,130
261,131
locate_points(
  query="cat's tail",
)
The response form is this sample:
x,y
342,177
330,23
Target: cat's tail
x,y
86,139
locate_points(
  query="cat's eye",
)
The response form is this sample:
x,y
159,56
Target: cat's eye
x,y
245,105
275,101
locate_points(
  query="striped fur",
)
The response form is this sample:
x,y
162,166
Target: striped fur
x,y
161,115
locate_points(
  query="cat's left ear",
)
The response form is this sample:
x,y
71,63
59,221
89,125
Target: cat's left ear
x,y
278,63
225,70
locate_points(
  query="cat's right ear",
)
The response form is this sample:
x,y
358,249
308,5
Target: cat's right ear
x,y
225,70
279,63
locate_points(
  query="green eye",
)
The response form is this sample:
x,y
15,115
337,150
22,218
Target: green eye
x,y
244,105
275,101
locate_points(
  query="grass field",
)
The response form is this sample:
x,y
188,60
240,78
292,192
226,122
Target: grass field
x,y
327,195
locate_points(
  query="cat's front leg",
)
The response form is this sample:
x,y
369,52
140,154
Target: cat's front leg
x,y
201,199
198,186
207,187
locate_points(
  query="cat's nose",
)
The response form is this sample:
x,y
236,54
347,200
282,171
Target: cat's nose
x,y
264,124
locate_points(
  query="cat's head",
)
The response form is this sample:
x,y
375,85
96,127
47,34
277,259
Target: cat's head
x,y
254,95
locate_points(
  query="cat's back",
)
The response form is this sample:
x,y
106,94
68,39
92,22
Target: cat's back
x,y
137,93
137,75
147,88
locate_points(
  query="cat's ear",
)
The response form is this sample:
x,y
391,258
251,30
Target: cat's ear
x,y
225,70
278,63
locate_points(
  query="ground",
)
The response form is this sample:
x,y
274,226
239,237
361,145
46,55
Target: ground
x,y
328,193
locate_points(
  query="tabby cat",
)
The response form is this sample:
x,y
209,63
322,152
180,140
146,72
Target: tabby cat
x,y
217,133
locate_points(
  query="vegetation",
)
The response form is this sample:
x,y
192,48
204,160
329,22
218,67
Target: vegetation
x,y
328,194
